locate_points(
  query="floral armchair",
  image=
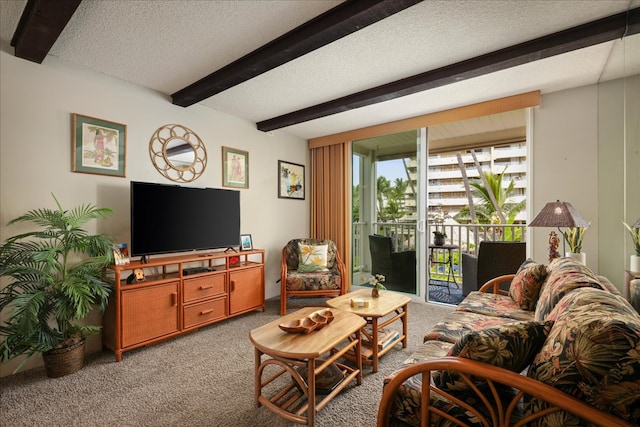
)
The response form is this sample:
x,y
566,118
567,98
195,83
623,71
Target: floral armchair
x,y
310,268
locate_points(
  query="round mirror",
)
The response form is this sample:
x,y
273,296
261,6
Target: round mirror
x,y
178,153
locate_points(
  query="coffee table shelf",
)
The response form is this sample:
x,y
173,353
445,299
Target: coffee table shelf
x,y
297,397
381,312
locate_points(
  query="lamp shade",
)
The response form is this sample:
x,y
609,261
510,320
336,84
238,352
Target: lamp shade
x,y
558,214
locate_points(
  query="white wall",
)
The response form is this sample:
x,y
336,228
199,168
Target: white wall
x,y
586,151
565,163
35,154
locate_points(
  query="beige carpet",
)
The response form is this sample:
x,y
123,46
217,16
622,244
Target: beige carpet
x,y
201,379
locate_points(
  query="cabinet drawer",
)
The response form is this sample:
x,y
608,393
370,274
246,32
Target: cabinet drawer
x,y
205,312
204,287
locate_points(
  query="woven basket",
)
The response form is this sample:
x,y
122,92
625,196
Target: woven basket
x,y
59,362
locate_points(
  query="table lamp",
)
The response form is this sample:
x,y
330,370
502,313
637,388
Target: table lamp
x,y
557,214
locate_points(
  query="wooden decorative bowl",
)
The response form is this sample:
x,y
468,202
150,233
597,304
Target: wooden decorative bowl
x,y
314,321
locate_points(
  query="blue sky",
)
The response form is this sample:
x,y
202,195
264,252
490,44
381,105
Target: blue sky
x,y
390,169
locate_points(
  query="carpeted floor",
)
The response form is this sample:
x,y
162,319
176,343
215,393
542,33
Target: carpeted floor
x,y
201,379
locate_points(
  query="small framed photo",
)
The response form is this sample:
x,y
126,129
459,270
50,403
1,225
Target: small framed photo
x,y
121,254
235,168
98,146
290,180
245,242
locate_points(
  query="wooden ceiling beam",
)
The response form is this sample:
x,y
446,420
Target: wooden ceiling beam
x,y
592,33
40,25
342,20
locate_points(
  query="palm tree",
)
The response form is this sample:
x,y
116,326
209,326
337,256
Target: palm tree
x,y
486,212
383,186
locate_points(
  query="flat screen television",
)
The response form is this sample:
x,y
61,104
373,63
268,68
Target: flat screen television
x,y
173,218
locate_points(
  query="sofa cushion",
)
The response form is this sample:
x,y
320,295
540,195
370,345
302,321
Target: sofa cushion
x,y
565,275
511,347
593,353
314,281
606,284
428,351
495,305
459,323
312,258
525,286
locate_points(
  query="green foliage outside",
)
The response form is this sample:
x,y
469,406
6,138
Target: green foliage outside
x,y
485,210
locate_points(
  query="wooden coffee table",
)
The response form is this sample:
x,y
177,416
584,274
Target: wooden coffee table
x,y
309,359
379,308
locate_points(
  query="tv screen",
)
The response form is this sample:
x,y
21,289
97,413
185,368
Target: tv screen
x,y
171,218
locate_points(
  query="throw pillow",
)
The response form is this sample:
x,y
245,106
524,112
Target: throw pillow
x,y
312,258
525,286
512,346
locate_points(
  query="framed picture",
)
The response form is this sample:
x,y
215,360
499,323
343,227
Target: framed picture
x,y
235,168
290,180
98,146
245,242
121,254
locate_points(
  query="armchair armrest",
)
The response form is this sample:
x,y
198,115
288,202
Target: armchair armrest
x,y
493,285
503,413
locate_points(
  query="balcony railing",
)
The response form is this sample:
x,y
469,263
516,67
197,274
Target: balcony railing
x,y
403,234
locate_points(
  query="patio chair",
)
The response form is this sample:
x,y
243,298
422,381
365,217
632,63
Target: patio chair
x,y
494,259
398,268
327,281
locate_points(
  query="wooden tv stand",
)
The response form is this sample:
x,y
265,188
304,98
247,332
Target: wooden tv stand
x,y
170,302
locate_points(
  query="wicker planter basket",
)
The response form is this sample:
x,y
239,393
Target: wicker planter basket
x,y
59,362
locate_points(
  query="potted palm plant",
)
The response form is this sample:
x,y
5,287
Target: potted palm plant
x,y
56,277
634,232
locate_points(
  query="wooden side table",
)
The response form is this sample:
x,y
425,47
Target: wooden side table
x,y
376,315
299,355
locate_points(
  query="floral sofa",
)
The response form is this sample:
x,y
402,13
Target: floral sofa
x,y
560,347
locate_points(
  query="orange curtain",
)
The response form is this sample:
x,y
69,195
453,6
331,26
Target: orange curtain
x,y
330,204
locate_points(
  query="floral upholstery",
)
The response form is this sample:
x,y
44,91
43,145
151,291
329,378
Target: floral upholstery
x,y
565,275
407,401
326,282
429,350
512,346
592,353
459,323
588,345
525,286
494,305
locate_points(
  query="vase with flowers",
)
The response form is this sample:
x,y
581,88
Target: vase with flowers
x,y
376,282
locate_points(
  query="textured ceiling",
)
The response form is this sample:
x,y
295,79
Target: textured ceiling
x,y
167,45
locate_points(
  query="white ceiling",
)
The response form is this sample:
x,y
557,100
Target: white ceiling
x,y
167,45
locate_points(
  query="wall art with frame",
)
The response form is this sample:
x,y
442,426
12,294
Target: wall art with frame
x,y
98,146
290,180
235,168
246,244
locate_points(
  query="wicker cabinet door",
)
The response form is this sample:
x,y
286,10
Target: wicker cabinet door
x,y
149,313
246,290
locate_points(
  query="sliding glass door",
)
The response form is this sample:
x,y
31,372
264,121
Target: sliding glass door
x,y
387,211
